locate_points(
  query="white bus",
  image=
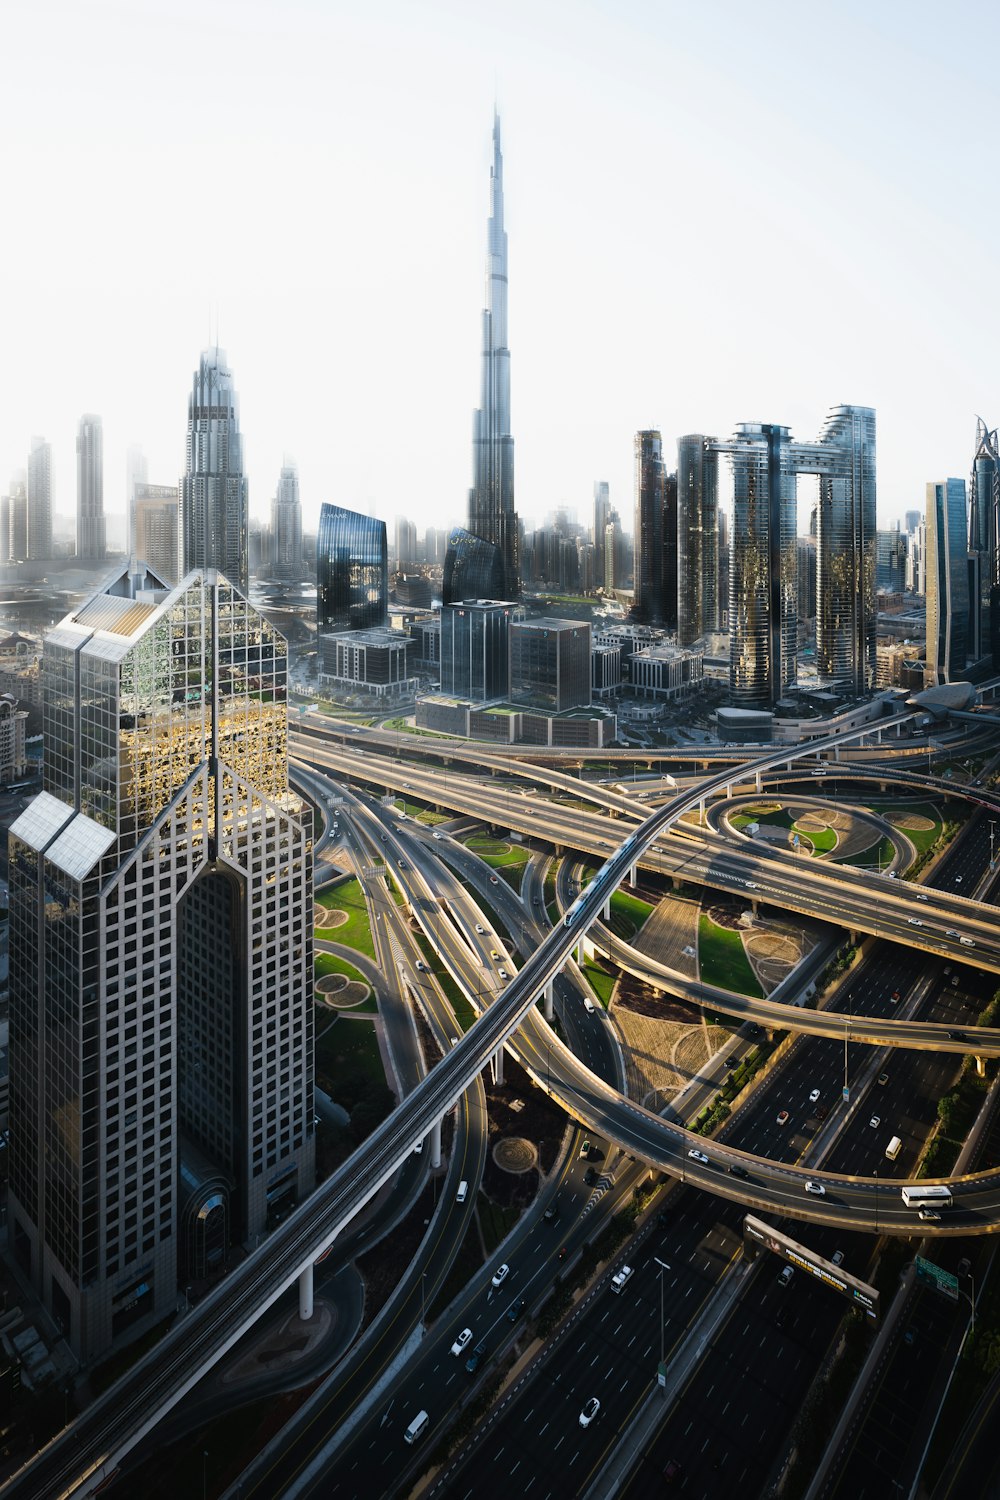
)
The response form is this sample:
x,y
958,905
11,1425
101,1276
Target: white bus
x,y
935,1194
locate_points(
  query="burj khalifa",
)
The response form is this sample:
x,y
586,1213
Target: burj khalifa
x,y
491,499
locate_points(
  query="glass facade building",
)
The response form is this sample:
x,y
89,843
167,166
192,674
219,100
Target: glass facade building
x,y
90,538
550,664
475,649
984,544
352,570
844,458
473,568
286,526
214,488
697,538
947,582
655,535
160,949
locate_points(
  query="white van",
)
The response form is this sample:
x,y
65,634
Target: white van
x,y
894,1147
619,1279
588,1005
463,1192
417,1427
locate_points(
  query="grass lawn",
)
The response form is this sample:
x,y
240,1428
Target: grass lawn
x,y
873,859
495,1222
496,853
628,914
821,839
722,961
600,982
922,839
348,1061
356,931
329,963
778,817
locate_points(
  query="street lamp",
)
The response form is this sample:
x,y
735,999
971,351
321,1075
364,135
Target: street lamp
x,y
423,1298
847,1031
992,833
663,1267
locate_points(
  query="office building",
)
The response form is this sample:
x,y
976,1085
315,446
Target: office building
x,y
473,568
550,664
666,672
475,649
491,499
890,560
697,538
214,488
911,521
947,583
90,538
602,514
844,458
39,501
286,526
352,570
405,543
161,979
155,528
375,662
655,535
984,546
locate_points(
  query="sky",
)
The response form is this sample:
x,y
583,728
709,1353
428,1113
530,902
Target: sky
x,y
717,213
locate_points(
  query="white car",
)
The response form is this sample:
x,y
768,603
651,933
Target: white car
x,y
814,1097
816,1188
915,922
696,1155
875,1121
589,1412
479,928
465,1337
435,835
500,1274
950,932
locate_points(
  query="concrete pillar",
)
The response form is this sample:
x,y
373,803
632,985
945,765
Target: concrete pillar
x,y
498,1067
436,1145
757,780
981,1067
580,954
549,1001
306,1293
729,790
701,810
632,875
607,910
878,737
836,752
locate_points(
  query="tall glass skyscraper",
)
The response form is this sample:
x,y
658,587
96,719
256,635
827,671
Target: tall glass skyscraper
x,y
214,489
947,582
697,538
491,499
845,545
39,507
161,977
475,649
984,544
90,540
473,568
352,570
286,526
655,534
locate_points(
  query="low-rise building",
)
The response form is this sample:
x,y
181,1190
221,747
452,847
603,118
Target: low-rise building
x,y
372,661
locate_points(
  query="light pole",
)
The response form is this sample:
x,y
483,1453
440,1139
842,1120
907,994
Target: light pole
x,y
847,1031
876,1200
663,1267
992,833
423,1298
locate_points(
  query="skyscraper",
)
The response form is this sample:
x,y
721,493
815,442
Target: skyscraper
x,y
984,544
947,582
286,525
214,489
475,649
697,538
90,540
655,534
14,539
473,568
155,509
845,545
39,517
352,570
602,510
491,499
160,956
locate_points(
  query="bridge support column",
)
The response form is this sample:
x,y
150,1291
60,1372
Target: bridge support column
x,y
836,752
757,780
436,1145
306,1293
632,874
701,811
607,910
498,1067
729,790
581,954
980,1067
550,1001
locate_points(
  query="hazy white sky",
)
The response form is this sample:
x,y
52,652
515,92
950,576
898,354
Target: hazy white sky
x,y
718,212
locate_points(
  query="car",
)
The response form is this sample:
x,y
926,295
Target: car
x,y
785,1278
465,1337
493,951
588,1005
536,900
894,997
515,1310
837,1258
494,880
552,1212
920,896
436,835
672,1470
421,966
958,880
585,1151
928,1215
480,927
816,1188
502,974
697,1155
751,885
950,932
589,1412
883,1079
782,1116
418,1148
967,942
958,1036
590,1176
401,864
915,922
500,1274
732,1062
476,1358
814,1097
875,1121
564,1252
822,1111
735,1170
910,1336
384,837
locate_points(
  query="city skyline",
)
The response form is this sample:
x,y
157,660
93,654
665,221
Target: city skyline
x,y
584,370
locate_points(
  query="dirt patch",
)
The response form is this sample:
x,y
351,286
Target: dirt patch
x,y
916,821
631,994
340,993
772,946
518,1111
324,918
515,1154
730,917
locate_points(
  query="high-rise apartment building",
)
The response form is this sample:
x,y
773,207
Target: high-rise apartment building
x,y
890,560
352,570
947,583
14,530
844,458
984,545
655,534
697,538
491,499
602,512
475,649
90,538
155,528
214,488
160,956
136,472
39,498
286,525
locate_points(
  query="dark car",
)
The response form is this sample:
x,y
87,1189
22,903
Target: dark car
x,y
515,1310
590,1176
821,1111
672,1471
735,1170
957,1036
552,1212
476,1358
